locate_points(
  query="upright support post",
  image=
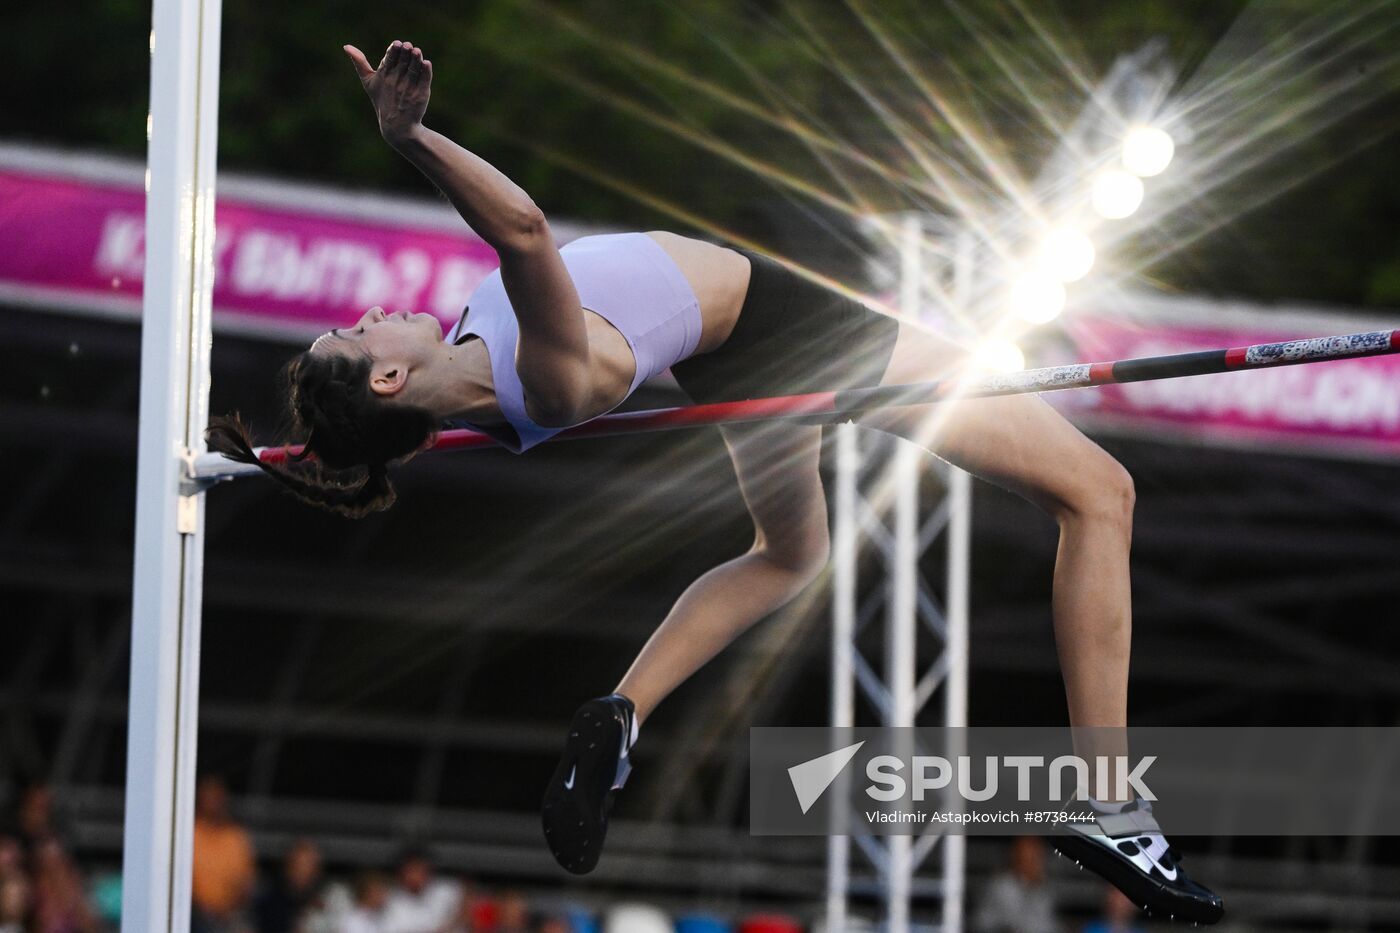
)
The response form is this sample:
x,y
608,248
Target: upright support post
x,y
959,572
844,555
901,624
959,537
899,692
168,572
901,631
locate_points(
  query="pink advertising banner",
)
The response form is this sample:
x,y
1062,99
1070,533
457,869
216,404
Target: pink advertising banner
x,y
300,263
1344,407
287,268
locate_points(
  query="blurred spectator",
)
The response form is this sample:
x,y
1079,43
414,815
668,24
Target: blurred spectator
x,y
14,887
477,912
224,869
1018,900
105,893
420,902
14,904
11,858
1120,915
514,913
282,904
581,919
702,923
34,821
636,918
333,904
60,900
769,923
555,925
371,896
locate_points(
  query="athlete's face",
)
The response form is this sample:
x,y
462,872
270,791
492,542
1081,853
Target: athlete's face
x,y
398,344
381,334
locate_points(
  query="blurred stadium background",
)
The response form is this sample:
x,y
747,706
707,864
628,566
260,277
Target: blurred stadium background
x,y
402,680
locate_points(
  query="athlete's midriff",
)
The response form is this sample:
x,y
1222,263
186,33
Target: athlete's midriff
x,y
718,276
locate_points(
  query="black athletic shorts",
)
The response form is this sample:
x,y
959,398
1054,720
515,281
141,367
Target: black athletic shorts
x,y
792,337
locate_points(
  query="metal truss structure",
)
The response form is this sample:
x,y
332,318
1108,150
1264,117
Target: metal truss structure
x,y
878,509
877,477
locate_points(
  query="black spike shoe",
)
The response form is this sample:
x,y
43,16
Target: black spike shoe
x,y
595,763
1128,850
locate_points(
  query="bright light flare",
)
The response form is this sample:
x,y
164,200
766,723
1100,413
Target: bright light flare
x,y
998,356
1065,254
1037,297
1147,151
1116,193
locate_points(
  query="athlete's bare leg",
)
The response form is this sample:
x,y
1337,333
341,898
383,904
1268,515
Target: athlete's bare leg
x,y
777,467
1024,445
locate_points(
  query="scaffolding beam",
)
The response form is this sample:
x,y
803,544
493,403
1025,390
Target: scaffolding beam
x,y
902,691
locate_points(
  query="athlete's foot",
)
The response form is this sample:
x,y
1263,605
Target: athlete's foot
x,y
595,764
1129,851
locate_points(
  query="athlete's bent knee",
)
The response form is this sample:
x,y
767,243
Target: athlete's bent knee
x,y
1104,493
803,554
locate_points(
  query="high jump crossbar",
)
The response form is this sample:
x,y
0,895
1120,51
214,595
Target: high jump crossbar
x,y
211,467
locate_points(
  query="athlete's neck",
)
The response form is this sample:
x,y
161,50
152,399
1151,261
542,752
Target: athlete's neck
x,y
462,387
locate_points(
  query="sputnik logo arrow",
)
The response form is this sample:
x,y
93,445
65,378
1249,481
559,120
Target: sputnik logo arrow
x,y
811,778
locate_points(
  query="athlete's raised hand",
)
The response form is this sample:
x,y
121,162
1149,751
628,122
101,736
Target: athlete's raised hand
x,y
398,88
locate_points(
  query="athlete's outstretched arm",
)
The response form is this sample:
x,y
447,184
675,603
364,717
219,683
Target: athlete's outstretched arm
x,y
553,355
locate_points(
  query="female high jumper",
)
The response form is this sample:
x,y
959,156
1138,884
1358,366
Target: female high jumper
x,y
560,336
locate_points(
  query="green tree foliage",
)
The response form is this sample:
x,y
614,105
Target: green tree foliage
x,y
721,114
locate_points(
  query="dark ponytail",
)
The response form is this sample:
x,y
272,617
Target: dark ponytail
x,y
352,434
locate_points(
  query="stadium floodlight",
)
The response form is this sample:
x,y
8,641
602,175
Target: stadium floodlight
x,y
1116,193
1036,296
1147,151
998,356
1066,254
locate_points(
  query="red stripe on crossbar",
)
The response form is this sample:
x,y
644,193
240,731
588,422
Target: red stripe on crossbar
x,y
853,400
749,410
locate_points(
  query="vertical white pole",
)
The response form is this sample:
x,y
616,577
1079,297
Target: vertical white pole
x,y
959,570
955,688
900,636
168,572
845,553
902,623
